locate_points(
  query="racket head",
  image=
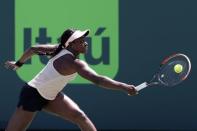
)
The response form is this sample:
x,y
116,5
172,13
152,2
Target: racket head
x,y
167,75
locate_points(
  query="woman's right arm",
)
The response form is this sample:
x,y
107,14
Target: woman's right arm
x,y
37,49
88,73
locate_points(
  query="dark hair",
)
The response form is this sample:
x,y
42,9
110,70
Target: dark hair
x,y
64,37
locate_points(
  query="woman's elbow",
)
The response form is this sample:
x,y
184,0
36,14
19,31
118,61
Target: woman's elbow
x,y
97,80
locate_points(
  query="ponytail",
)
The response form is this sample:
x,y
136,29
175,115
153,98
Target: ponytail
x,y
64,37
59,48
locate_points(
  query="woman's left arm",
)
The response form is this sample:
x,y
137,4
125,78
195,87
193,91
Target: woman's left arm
x,y
37,49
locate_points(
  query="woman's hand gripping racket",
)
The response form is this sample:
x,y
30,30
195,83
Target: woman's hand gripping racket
x,y
173,70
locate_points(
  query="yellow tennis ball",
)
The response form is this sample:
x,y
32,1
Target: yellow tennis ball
x,y
178,68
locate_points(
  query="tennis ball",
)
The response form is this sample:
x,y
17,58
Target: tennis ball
x,y
178,68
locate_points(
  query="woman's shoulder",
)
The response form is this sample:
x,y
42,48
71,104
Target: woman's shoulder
x,y
80,62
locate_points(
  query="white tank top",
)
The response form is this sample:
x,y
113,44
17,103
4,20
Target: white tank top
x,y
48,81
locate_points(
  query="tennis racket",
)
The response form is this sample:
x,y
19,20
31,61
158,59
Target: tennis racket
x,y
172,71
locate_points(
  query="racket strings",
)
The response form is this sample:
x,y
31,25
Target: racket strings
x,y
168,76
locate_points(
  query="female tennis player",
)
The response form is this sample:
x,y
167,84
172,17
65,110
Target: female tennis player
x,y
44,91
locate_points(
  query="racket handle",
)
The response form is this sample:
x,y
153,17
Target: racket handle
x,y
141,86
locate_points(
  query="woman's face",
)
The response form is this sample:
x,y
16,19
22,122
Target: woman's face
x,y
80,45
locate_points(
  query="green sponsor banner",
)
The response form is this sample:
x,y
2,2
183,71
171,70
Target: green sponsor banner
x,y
39,20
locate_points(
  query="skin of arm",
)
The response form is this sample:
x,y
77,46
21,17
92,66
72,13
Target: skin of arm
x,y
103,81
37,49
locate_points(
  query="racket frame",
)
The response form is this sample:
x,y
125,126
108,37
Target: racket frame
x,y
155,77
